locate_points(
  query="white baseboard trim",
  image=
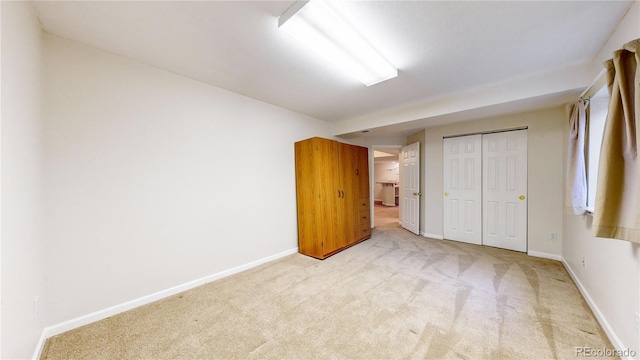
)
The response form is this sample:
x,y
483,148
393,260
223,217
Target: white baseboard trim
x,y
40,345
432,236
544,255
116,309
615,340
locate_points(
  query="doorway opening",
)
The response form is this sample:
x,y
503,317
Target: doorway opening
x,y
386,185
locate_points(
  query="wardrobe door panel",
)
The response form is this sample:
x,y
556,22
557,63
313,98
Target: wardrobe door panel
x,y
348,210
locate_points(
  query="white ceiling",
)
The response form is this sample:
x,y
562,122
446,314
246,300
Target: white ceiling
x,y
442,49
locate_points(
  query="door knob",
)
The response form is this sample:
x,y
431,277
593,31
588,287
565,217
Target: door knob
x,y
521,197
446,194
417,193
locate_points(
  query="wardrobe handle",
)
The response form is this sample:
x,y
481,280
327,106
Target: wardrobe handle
x,y
343,194
357,171
338,193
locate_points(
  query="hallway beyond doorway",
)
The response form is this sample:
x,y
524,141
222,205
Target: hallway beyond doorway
x,y
386,216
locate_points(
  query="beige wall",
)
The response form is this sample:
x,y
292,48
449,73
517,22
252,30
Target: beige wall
x,y
139,199
609,280
377,141
382,172
545,154
23,239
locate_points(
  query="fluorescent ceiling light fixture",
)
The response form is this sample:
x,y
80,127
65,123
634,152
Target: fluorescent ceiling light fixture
x,y
316,25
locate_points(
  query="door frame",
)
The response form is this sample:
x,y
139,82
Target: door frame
x,y
372,180
487,132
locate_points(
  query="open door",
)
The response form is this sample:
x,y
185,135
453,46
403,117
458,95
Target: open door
x,y
410,188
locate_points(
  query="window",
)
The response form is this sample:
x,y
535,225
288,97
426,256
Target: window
x,y
598,107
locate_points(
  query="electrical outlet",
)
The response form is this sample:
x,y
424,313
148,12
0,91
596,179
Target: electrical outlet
x,y
584,262
35,308
552,236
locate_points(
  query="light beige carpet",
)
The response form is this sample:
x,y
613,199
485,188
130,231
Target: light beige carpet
x,y
395,296
385,216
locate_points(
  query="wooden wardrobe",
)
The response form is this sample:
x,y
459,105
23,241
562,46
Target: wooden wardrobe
x,y
332,187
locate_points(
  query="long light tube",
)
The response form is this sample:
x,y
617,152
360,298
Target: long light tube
x,y
316,25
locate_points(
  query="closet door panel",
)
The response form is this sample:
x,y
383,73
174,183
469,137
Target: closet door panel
x,y
463,189
505,190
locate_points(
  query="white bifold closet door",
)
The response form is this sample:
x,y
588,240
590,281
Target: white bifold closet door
x,y
485,189
504,197
463,189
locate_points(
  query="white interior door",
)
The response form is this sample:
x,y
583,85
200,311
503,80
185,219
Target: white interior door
x,y
410,188
505,190
462,185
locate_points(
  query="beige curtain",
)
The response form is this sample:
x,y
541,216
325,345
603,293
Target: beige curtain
x,y
576,184
617,208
